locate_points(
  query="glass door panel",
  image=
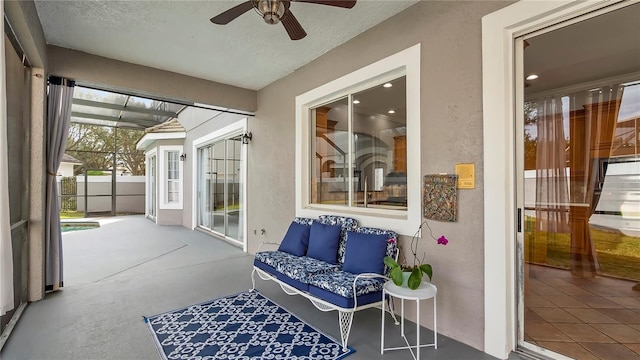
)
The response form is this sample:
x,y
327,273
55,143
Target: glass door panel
x,y
204,174
152,187
217,188
581,190
233,187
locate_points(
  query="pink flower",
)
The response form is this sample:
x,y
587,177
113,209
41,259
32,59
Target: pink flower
x,y
443,240
391,240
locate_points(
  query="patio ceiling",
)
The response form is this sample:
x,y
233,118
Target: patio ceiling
x,y
177,36
104,108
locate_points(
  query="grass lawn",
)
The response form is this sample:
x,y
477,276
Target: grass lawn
x,y
618,254
71,215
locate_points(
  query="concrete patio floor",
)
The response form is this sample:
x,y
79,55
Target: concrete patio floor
x,y
130,268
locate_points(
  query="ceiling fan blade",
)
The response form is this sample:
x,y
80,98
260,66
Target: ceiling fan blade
x,y
293,27
347,4
226,17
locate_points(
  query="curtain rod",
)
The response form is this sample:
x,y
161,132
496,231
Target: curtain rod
x,y
56,80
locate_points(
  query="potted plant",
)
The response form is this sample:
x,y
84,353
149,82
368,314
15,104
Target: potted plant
x,y
411,274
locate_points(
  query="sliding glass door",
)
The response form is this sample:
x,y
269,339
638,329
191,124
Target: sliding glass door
x,y
220,188
579,258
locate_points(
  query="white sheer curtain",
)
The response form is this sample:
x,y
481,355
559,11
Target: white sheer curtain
x,y
575,131
592,138
59,101
6,253
552,186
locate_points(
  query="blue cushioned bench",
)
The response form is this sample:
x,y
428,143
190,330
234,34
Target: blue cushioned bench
x,y
332,262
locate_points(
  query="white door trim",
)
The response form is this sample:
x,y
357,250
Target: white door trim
x,y
149,188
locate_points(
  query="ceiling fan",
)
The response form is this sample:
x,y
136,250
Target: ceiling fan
x,y
275,11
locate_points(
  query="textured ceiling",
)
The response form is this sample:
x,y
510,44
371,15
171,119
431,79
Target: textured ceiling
x,y
178,36
601,47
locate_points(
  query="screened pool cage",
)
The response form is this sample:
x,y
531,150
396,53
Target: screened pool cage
x,y
103,172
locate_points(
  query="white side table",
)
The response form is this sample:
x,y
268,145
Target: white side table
x,y
423,292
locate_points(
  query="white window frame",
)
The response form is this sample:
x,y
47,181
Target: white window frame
x,y
406,62
237,128
499,83
148,156
163,178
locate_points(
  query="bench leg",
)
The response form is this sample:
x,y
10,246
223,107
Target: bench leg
x,y
345,319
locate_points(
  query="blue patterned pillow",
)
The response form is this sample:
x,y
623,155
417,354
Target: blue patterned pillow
x,y
365,253
323,242
296,240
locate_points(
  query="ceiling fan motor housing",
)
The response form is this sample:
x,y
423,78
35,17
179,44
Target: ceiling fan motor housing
x,y
271,10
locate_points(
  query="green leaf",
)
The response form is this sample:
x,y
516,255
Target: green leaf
x,y
426,268
414,279
396,275
390,262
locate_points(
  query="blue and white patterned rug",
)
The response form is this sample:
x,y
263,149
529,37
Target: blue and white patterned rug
x,y
241,326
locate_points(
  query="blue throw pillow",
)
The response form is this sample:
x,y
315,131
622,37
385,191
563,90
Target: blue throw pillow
x,y
296,239
323,242
365,253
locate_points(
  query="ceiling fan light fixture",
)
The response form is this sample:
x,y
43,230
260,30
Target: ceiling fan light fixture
x,y
270,10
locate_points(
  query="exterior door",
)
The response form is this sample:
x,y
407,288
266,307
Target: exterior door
x,y
221,188
579,178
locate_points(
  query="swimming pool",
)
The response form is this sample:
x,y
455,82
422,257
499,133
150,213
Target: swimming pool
x,y
77,226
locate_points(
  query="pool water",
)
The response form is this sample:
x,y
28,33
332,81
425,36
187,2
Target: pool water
x,y
69,228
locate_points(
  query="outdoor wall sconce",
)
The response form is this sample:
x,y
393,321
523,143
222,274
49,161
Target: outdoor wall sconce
x,y
183,157
246,137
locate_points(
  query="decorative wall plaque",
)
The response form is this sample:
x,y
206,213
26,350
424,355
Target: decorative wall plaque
x,y
440,199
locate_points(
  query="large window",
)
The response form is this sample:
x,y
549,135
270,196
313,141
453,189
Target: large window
x,y
171,177
360,154
358,142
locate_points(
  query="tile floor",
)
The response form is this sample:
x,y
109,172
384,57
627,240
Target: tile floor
x,y
582,318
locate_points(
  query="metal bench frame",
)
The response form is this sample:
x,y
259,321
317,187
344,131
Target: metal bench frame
x,y
345,315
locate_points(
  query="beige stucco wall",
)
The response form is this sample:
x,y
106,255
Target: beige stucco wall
x,y
123,76
37,182
451,115
169,217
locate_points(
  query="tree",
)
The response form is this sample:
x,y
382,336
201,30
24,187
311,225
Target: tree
x,y
131,158
530,135
95,145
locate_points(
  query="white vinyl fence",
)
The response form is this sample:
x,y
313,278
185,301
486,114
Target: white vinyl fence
x,y
129,194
